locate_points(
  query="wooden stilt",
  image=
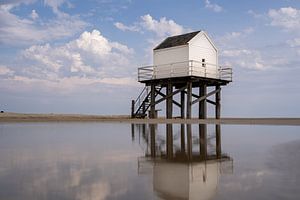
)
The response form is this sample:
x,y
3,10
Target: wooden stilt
x,y
152,140
169,102
169,143
202,127
132,132
144,130
218,127
189,141
169,112
152,103
132,108
202,104
182,104
189,100
182,137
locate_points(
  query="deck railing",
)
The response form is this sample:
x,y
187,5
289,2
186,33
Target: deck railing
x,y
187,68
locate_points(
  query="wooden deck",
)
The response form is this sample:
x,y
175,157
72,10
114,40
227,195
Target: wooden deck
x,y
179,82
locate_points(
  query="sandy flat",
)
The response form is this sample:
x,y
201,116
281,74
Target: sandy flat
x,y
19,117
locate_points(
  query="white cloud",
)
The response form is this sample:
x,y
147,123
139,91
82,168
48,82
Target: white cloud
x,y
34,15
238,34
236,52
90,55
294,43
162,28
287,18
244,58
15,30
95,191
89,59
212,6
5,70
123,27
255,14
65,84
15,2
252,59
55,4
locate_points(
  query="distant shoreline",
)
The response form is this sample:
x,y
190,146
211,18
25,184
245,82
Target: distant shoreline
x,y
19,117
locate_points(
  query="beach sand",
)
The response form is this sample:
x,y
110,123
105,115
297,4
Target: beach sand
x,y
21,117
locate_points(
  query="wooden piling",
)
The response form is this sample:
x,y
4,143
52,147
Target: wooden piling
x,y
189,100
169,101
182,137
202,104
132,108
169,142
152,140
132,132
189,141
152,103
182,104
203,127
218,127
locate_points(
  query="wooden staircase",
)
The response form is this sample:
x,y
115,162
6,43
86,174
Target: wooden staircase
x,y
141,105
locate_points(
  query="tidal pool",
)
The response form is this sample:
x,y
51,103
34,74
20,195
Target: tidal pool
x,y
95,161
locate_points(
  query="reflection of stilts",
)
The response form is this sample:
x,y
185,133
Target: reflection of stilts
x,y
185,173
169,143
166,146
152,140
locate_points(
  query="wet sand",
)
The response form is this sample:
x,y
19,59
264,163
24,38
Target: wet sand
x,y
19,117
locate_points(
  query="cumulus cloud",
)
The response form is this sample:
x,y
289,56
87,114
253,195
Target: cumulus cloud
x,y
244,58
5,70
294,43
252,59
55,4
236,34
91,59
90,55
16,30
162,27
123,27
212,6
236,52
159,28
287,18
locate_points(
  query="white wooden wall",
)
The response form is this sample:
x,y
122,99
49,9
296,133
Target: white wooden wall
x,y
162,59
201,48
170,55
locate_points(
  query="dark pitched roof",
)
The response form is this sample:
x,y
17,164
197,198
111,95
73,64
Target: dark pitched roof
x,y
177,40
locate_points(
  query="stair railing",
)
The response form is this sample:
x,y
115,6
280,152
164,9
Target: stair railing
x,y
138,103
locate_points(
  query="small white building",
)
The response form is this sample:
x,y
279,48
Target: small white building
x,y
191,54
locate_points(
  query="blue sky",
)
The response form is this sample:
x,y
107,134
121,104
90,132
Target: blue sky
x,y
59,56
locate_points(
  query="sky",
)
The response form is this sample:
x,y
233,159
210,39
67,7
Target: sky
x,y
63,56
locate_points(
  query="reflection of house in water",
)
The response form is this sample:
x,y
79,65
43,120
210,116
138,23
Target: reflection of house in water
x,y
184,166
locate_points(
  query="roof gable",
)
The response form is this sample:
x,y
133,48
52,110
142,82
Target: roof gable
x,y
177,40
207,37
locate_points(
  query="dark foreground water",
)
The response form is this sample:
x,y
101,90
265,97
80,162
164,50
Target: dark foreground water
x,y
95,161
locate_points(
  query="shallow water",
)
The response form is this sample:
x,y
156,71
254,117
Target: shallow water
x,y
92,161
